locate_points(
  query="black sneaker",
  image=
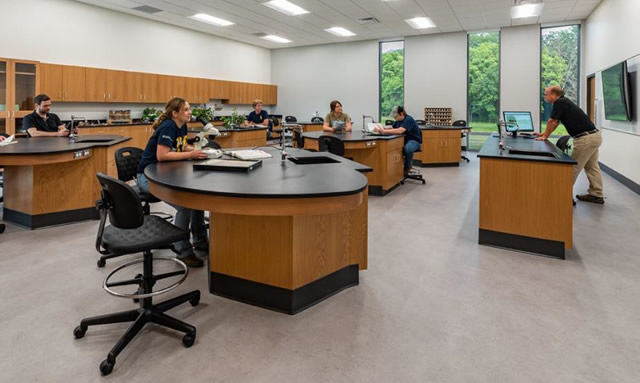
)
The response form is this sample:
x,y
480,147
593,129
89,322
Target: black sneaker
x,y
574,201
192,260
590,198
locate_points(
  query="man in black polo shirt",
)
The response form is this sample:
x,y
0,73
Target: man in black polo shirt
x,y
586,140
41,123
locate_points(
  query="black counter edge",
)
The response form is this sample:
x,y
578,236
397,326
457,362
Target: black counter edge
x,y
262,196
536,246
281,299
50,219
620,178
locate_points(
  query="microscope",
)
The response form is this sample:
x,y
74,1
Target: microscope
x,y
201,139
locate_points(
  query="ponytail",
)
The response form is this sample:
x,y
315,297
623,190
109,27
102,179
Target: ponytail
x,y
174,105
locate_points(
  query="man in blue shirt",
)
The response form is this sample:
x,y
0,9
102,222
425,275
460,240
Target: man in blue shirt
x,y
406,126
259,117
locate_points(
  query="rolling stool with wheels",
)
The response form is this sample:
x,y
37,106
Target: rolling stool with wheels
x,y
131,231
416,176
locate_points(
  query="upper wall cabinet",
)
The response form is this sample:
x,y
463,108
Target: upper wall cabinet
x,y
79,84
19,83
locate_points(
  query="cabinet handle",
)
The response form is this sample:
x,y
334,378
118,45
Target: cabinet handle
x,y
104,96
109,96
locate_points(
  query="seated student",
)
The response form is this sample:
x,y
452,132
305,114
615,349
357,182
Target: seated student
x,y
169,143
336,115
259,117
41,123
406,126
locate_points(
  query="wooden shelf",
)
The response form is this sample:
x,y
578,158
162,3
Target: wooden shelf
x,y
438,116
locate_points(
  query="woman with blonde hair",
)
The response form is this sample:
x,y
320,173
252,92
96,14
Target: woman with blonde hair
x,y
169,143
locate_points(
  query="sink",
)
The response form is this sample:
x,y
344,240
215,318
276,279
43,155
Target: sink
x,y
532,153
312,160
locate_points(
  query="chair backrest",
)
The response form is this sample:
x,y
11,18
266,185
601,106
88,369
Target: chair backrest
x,y
563,143
331,144
274,121
212,144
421,122
127,160
459,123
317,119
298,138
290,119
388,122
122,203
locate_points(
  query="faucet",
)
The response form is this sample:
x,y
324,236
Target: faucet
x,y
283,150
363,121
72,135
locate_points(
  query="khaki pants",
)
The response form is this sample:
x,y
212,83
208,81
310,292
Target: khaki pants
x,y
585,152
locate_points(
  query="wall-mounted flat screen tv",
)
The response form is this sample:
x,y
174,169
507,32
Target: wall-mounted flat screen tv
x,y
616,92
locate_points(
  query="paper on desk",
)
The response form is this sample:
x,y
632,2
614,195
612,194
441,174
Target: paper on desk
x,y
8,140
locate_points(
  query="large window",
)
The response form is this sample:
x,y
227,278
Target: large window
x,y
391,77
483,88
560,63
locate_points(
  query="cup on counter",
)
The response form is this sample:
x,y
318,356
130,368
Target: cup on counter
x,y
16,107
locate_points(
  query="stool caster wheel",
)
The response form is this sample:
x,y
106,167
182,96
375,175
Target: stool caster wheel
x,y
106,367
101,262
79,332
188,340
195,301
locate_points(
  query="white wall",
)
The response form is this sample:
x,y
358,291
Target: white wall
x,y
308,78
611,33
73,33
436,73
520,70
69,32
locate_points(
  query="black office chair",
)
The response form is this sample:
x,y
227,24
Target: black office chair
x,y
563,144
415,175
127,160
298,138
421,122
462,135
275,128
317,120
388,122
131,231
290,119
331,144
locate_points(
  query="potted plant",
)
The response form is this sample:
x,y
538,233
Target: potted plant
x,y
204,113
150,114
234,119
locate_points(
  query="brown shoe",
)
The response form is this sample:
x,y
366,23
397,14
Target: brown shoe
x,y
192,260
590,198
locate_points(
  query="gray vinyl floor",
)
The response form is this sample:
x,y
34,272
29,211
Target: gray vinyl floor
x,y
434,306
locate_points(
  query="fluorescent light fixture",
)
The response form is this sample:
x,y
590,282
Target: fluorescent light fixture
x,y
421,23
276,39
339,31
526,10
211,20
286,7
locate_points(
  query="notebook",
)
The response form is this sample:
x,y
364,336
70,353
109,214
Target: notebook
x,y
251,154
227,165
339,126
371,127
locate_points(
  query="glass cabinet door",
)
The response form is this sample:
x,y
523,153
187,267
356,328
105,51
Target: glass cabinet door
x,y
4,90
25,85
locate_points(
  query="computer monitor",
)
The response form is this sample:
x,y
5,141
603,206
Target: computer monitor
x,y
524,120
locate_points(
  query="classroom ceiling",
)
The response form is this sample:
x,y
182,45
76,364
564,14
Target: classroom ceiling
x,y
251,17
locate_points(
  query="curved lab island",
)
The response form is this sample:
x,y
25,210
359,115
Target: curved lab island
x,y
51,181
283,236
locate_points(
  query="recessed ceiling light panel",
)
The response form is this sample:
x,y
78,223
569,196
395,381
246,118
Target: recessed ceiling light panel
x,y
211,20
421,23
286,7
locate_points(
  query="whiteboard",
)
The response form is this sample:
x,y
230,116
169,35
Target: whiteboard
x,y
633,127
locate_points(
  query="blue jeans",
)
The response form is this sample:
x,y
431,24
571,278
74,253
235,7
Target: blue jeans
x,y
183,218
409,148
